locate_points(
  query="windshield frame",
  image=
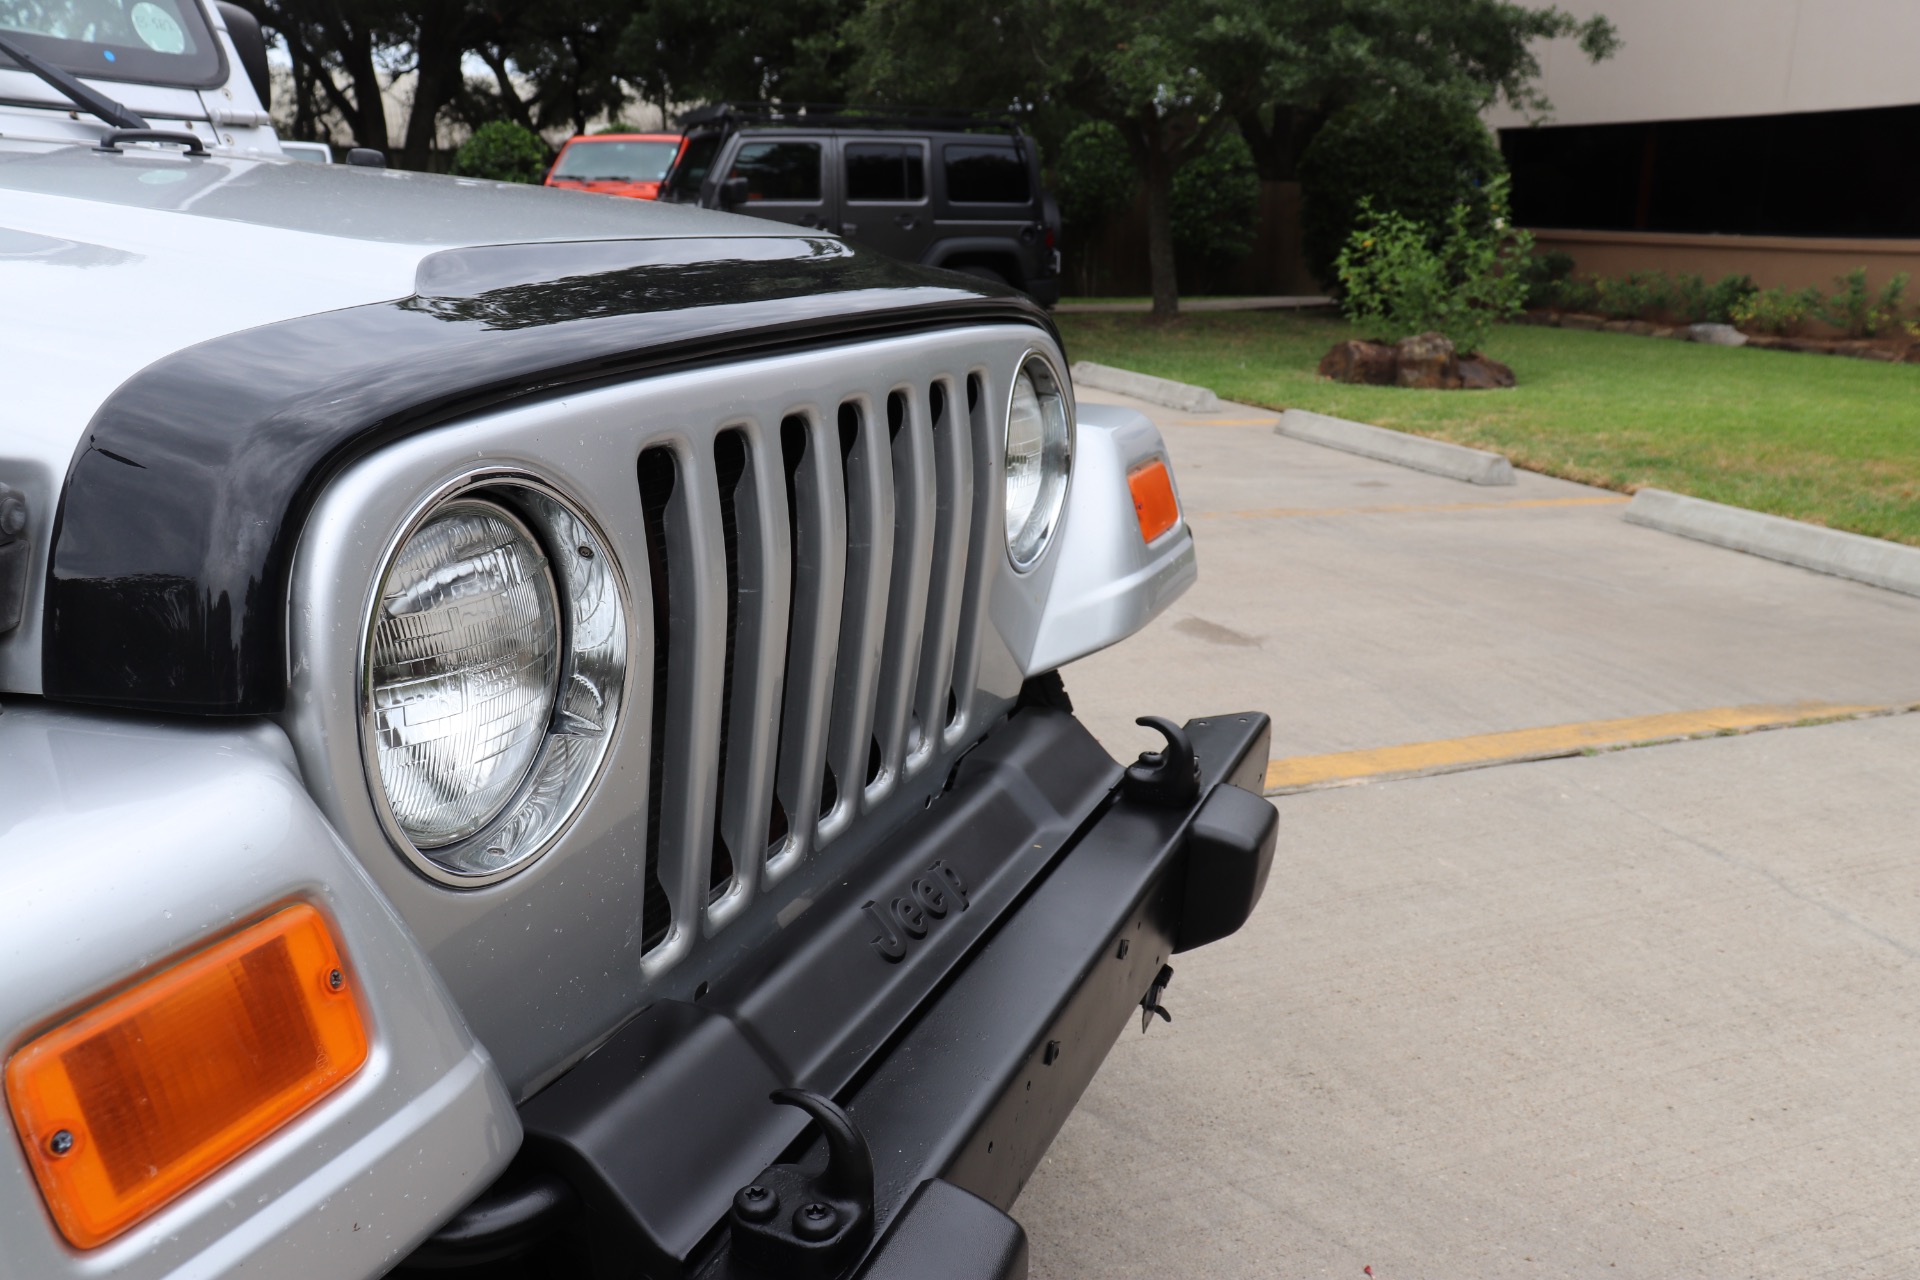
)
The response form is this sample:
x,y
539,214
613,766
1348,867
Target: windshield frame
x,y
130,64
674,187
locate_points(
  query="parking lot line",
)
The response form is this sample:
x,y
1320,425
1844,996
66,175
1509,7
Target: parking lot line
x,y
1405,508
1300,773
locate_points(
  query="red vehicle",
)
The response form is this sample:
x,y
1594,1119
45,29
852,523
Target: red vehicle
x,y
615,164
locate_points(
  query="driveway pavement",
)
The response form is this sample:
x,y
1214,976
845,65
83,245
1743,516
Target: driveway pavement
x,y
1644,1012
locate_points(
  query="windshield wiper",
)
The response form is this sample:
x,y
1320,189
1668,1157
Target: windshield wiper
x,y
98,104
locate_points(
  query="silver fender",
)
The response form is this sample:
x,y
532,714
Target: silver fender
x,y
127,842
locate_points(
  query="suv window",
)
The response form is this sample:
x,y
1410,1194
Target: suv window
x,y
885,171
779,170
985,174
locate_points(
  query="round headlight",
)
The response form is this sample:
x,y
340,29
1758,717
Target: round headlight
x,y
463,666
494,672
1039,452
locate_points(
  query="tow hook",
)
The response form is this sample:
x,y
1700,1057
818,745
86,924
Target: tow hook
x,y
1168,778
1150,1002
789,1222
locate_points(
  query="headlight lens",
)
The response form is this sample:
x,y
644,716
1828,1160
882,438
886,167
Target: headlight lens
x,y
464,663
1039,452
494,675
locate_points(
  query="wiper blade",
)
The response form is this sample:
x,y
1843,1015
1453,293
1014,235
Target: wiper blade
x,y
98,104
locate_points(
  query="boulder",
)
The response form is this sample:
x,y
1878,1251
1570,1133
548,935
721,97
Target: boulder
x,y
1478,373
1717,335
1426,361
1575,320
1364,363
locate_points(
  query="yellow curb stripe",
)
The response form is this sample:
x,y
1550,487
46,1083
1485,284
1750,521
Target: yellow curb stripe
x,y
1403,508
1297,773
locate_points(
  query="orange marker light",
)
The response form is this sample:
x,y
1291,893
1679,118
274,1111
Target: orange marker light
x,y
1153,500
147,1093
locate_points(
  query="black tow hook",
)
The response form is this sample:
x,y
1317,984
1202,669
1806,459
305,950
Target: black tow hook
x,y
791,1223
1169,778
1150,1002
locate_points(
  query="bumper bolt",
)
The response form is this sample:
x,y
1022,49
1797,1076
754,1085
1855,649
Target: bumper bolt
x,y
61,1142
815,1221
755,1203
335,980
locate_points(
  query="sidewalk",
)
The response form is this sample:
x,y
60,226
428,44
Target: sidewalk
x,y
1645,1012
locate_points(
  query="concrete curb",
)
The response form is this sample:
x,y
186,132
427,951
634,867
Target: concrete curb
x,y
1142,386
1457,462
1877,563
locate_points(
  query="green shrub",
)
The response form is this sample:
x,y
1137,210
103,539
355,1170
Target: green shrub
x,y
1418,159
1777,310
1095,179
1216,201
503,151
1683,298
1721,298
1858,310
1633,296
1399,277
1546,275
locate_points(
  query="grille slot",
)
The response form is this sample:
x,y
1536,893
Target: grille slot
x,y
814,587
657,477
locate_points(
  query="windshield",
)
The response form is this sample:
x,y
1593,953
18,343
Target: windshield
x,y
684,182
151,41
615,161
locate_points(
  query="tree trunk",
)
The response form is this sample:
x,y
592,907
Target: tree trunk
x,y
1160,269
436,77
368,116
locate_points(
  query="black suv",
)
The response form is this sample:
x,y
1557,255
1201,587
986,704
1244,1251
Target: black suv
x,y
956,191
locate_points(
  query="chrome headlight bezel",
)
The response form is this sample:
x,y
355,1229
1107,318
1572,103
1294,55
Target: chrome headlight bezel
x,y
594,613
1026,549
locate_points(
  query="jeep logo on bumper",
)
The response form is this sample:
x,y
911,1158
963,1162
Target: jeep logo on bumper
x,y
909,915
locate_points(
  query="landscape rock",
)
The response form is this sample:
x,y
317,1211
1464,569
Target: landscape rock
x,y
1621,326
1478,373
1578,321
1717,335
1368,364
1426,362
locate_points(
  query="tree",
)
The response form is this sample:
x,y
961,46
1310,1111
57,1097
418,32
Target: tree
x,y
1169,74
1408,156
345,52
739,50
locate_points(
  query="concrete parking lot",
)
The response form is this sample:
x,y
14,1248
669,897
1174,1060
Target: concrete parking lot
x,y
1644,1012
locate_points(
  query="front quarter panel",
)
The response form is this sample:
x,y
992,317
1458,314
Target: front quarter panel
x,y
1100,582
126,843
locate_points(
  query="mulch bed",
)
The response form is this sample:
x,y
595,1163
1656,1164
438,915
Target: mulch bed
x,y
1890,350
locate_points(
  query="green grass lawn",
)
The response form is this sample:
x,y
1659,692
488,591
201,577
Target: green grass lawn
x,y
1818,438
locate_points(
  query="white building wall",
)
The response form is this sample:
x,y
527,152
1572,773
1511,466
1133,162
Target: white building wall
x,y
1692,59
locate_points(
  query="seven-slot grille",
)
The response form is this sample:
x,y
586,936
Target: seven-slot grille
x,y
835,568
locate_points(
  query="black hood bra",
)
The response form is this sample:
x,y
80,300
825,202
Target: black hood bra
x,y
177,524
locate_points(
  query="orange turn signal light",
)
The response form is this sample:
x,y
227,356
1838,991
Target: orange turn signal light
x,y
1153,500
143,1095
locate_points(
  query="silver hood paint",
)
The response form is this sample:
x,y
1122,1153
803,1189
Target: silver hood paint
x,y
109,262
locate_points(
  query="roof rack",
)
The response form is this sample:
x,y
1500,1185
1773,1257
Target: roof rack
x,y
840,115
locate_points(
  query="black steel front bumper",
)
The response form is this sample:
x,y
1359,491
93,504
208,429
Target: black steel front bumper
x,y
955,995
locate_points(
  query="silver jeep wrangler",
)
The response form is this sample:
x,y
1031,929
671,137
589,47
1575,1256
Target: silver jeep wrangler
x,y
529,734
